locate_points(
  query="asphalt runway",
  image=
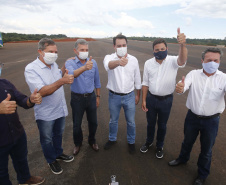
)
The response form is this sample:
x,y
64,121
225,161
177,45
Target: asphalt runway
x,y
95,168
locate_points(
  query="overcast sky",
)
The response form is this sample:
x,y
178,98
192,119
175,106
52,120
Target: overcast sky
x,y
106,18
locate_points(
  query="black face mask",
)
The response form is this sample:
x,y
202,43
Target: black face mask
x,y
160,55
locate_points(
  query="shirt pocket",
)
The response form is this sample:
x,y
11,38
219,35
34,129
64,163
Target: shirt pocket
x,y
215,94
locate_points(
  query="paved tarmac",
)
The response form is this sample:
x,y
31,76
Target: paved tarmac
x,y
95,168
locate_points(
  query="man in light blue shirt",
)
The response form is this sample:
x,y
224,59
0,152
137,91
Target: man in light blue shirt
x,y
44,74
83,98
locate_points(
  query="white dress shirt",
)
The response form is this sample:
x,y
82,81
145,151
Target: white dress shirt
x,y
206,94
123,79
161,78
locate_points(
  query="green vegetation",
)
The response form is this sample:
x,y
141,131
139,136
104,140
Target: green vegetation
x,y
208,42
8,37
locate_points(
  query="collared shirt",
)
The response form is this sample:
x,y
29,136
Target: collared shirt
x,y
123,79
161,78
38,75
10,127
206,94
85,82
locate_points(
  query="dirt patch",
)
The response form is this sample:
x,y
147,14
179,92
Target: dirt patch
x,y
55,40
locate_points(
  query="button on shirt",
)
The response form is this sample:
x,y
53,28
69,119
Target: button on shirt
x,y
161,78
85,82
206,94
38,75
123,79
10,126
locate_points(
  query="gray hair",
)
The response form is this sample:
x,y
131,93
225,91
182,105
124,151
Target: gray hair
x,y
80,41
44,42
213,50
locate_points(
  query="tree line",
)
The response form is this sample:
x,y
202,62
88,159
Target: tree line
x,y
10,37
208,42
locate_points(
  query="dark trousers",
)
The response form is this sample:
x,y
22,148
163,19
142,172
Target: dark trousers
x,y
158,111
18,153
79,105
208,129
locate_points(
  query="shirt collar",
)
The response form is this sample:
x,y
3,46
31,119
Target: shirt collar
x,y
77,60
217,72
41,64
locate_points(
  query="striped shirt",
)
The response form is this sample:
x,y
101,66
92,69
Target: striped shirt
x,y
161,78
38,75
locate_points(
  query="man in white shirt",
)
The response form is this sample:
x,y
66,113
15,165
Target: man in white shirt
x,y
205,103
123,75
159,79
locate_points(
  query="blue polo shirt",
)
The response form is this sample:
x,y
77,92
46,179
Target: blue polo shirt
x,y
85,82
38,75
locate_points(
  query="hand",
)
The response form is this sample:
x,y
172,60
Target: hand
x,y
97,101
7,106
181,38
68,79
137,99
36,97
123,61
180,86
144,108
89,64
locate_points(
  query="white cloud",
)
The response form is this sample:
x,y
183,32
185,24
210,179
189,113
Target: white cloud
x,y
188,21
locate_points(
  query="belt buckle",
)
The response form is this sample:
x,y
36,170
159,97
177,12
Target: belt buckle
x,y
86,95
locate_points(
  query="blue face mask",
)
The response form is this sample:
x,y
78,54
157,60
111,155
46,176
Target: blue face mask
x,y
160,55
210,67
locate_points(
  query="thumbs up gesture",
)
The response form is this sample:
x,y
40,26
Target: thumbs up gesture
x,y
67,78
180,86
181,37
7,106
36,97
89,64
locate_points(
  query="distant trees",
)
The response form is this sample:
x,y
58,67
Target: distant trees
x,y
7,37
208,42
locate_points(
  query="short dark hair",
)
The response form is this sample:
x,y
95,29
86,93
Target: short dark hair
x,y
44,42
213,50
159,41
119,36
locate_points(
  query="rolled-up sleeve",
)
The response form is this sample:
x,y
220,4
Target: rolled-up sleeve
x,y
106,61
137,77
97,76
145,76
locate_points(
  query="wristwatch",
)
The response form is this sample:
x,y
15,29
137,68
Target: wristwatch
x,y
98,96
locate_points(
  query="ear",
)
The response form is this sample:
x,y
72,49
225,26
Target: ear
x,y
76,52
40,52
202,60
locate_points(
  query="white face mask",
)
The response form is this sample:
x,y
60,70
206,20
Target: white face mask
x,y
50,58
121,51
83,55
210,67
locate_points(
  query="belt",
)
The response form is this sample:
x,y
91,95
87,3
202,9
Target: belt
x,y
205,117
83,95
121,94
161,97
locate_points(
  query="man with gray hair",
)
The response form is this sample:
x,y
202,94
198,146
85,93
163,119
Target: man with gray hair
x,y
43,74
83,97
205,103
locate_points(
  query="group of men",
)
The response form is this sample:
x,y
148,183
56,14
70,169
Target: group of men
x,y
205,103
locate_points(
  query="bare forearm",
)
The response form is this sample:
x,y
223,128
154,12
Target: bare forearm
x,y
138,92
183,54
144,92
98,91
50,89
113,64
79,71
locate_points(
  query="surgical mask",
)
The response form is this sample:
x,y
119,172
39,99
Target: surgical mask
x,y
83,55
160,55
121,51
50,58
210,67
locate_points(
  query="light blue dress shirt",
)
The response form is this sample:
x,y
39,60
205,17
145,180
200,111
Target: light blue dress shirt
x,y
85,82
38,75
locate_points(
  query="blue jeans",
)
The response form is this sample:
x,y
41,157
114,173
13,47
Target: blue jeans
x,y
208,129
128,104
18,153
51,133
158,110
79,105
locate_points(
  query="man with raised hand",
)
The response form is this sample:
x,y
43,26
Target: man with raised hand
x,y
83,98
44,74
123,77
13,140
159,79
205,102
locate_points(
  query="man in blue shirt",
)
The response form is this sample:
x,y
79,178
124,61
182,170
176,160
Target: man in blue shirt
x,y
83,98
43,74
13,140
